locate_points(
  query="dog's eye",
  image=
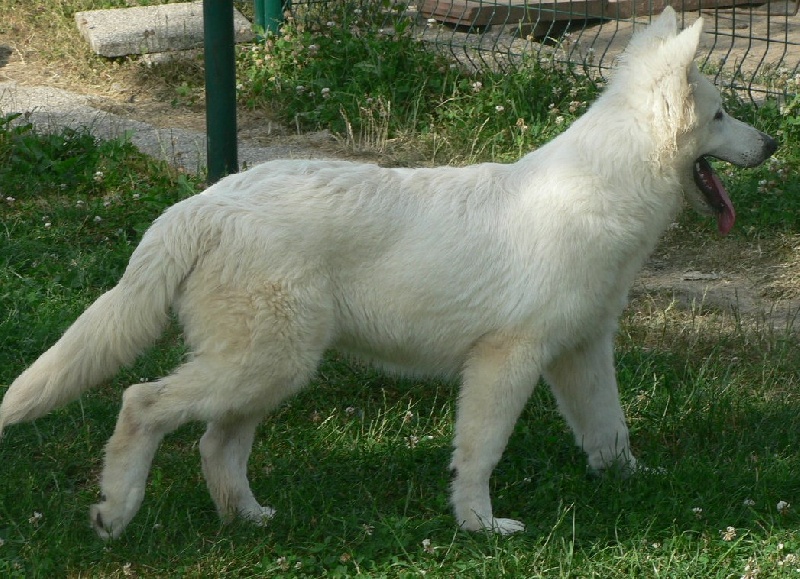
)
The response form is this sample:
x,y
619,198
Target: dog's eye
x,y
718,116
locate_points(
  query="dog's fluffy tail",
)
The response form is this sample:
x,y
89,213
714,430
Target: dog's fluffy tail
x,y
114,329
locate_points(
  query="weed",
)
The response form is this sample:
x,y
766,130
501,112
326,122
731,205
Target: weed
x,y
361,71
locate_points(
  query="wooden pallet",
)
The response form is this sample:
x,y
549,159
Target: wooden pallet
x,y
488,12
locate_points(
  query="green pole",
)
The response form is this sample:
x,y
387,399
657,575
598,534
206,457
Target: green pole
x,y
220,60
269,14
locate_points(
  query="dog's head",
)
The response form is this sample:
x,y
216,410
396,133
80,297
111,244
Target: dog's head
x,y
687,119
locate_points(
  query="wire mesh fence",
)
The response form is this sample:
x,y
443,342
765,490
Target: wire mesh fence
x,y
752,48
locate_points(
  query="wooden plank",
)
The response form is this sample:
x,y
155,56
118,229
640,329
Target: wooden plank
x,y
484,13
464,12
488,12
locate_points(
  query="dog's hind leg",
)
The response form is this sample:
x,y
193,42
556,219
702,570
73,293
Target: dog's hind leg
x,y
202,389
584,383
225,449
498,379
253,350
213,389
149,411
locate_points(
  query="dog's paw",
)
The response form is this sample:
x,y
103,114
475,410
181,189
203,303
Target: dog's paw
x,y
107,524
495,525
506,526
257,514
622,467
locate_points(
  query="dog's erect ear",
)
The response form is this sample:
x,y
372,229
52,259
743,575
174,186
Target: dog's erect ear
x,y
674,111
660,60
665,26
662,35
683,48
662,29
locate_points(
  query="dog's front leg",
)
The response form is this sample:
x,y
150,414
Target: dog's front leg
x,y
498,379
584,383
225,449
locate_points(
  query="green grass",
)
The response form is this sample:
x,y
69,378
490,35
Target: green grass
x,y
356,465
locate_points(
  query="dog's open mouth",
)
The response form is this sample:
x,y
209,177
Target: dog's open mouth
x,y
716,196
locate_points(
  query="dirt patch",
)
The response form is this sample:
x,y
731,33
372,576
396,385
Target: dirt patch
x,y
753,279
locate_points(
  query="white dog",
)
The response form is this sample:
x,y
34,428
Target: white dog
x,y
497,274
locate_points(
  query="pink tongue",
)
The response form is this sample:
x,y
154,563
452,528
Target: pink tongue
x,y
727,216
718,196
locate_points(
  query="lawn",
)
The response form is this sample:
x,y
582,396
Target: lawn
x,y
356,464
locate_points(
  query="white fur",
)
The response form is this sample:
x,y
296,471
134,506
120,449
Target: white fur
x,y
496,274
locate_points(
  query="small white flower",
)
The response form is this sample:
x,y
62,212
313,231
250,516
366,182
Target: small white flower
x,y
559,120
350,410
326,92
10,199
426,546
368,529
477,86
282,563
97,219
748,503
783,507
499,108
35,518
412,441
729,534
98,176
698,512
136,196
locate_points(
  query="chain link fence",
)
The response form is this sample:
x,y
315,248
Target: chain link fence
x,y
752,48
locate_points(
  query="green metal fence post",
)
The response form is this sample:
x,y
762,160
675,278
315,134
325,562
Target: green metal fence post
x,y
220,59
269,14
